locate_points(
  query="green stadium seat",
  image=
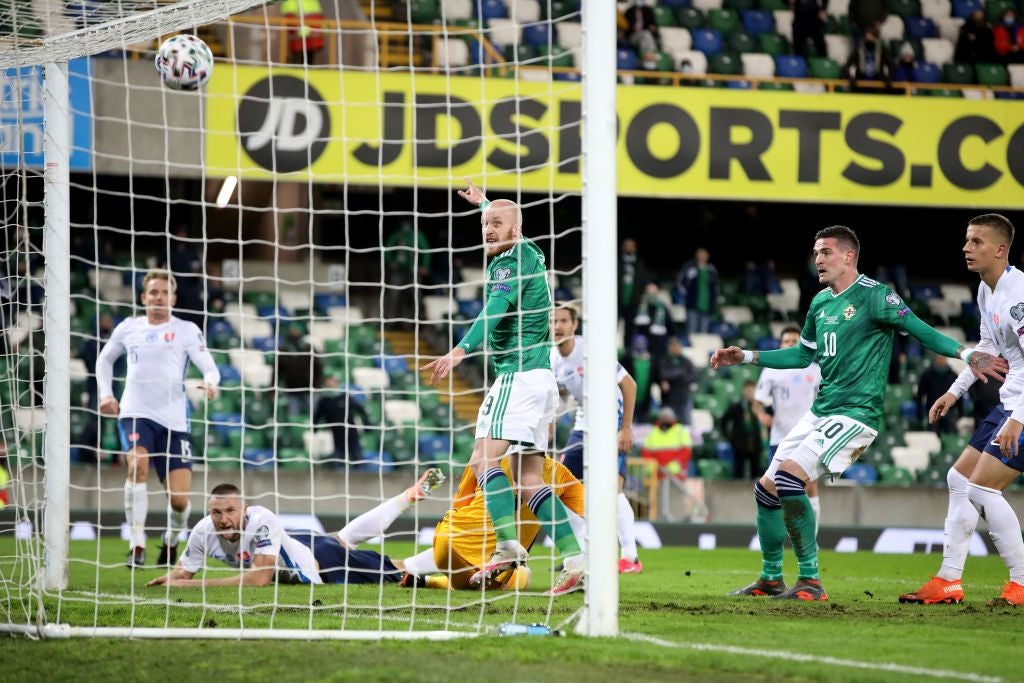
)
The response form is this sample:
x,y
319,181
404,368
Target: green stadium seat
x,y
690,18
725,21
425,11
896,45
726,63
876,456
260,298
663,16
905,8
557,55
774,5
741,42
992,74
221,458
932,476
823,67
711,469
994,9
960,74
773,44
943,459
895,476
952,443
771,85
940,92
739,5
838,25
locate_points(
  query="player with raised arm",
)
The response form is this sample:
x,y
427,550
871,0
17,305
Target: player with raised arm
x,y
522,402
789,394
251,538
567,363
976,481
849,330
153,411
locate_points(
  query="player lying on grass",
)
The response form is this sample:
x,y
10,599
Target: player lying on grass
x,y
251,538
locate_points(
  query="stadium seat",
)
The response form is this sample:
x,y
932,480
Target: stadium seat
x,y
676,4
919,28
938,51
838,25
911,459
485,10
936,9
823,67
838,48
741,43
904,8
538,35
434,446
925,440
862,473
452,10
708,41
773,44
451,52
756,22
790,66
739,5
698,60
706,5
570,35
691,18
932,476
504,33
895,476
626,60
702,421
726,64
992,74
675,39
664,16
1016,73
773,5
739,315
963,8
926,72
711,469
960,74
949,28
892,28
524,11
401,412
784,23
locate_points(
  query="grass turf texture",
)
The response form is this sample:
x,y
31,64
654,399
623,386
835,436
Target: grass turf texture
x,y
678,600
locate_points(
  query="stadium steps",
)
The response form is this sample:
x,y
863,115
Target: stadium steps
x,y
467,398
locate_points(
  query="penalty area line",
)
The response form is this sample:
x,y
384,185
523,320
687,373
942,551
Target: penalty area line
x,y
888,667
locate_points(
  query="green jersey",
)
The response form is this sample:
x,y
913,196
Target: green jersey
x,y
850,334
521,339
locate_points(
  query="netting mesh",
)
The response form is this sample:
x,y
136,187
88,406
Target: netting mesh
x,y
305,203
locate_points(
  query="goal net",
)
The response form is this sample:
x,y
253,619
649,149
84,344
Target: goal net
x,y
305,202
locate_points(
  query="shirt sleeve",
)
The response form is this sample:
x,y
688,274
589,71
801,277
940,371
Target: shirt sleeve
x,y
763,392
112,350
889,310
620,373
194,558
202,358
266,538
507,277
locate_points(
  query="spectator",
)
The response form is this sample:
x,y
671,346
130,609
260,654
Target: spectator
x,y
299,369
904,69
89,350
686,67
976,43
1009,37
866,15
338,410
654,321
675,373
809,19
670,443
406,260
187,265
760,280
871,61
935,381
642,33
638,365
306,39
632,272
697,282
742,429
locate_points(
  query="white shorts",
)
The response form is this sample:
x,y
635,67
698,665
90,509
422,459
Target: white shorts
x,y
519,407
823,445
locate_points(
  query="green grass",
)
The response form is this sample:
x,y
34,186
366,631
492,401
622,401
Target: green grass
x,y
679,600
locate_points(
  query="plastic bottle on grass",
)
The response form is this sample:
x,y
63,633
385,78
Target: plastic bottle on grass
x,y
526,630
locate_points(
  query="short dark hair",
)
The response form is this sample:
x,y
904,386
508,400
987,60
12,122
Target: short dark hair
x,y
997,222
226,490
789,329
574,314
841,233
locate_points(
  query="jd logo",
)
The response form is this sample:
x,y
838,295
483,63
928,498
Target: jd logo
x,y
283,124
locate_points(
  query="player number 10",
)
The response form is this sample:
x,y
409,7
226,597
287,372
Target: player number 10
x,y
829,340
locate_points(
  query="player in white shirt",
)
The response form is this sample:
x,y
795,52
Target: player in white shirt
x,y
153,411
790,394
251,538
994,457
567,364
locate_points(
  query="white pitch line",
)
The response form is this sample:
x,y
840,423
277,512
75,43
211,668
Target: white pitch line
x,y
800,657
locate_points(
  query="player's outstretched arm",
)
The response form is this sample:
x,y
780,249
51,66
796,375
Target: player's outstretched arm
x,y
496,306
473,194
941,407
261,574
732,355
105,377
179,573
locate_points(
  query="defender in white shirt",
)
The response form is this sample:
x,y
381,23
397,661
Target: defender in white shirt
x,y
153,412
251,538
994,457
790,394
567,364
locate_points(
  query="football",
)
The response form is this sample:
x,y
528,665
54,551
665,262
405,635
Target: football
x,y
517,578
184,62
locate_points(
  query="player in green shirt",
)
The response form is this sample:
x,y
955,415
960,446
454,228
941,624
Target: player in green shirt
x,y
849,330
515,323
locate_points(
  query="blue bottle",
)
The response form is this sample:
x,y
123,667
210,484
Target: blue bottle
x,y
526,630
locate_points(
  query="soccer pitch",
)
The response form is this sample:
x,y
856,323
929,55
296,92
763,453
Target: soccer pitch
x,y
677,624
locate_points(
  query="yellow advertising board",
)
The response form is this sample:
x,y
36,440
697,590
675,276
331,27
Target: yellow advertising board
x,y
376,129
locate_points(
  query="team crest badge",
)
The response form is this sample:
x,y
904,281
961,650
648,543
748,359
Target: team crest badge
x,y
168,337
995,318
133,437
849,312
893,298
151,337
502,273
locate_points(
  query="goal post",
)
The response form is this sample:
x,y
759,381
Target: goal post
x,y
297,235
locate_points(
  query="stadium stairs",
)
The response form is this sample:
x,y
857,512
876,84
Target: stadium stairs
x,y
465,396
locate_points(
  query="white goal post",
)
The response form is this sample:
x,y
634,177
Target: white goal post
x,y
37,605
